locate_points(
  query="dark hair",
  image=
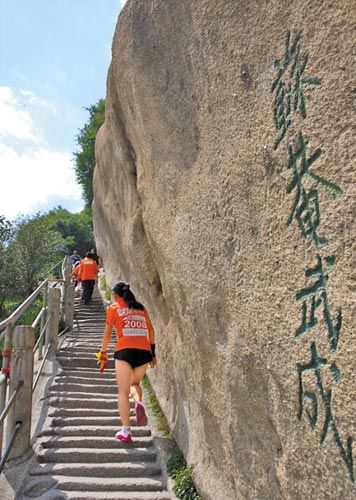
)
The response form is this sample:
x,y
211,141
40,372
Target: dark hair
x,y
123,290
89,255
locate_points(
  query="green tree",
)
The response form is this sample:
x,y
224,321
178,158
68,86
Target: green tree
x,y
85,157
76,229
5,279
32,251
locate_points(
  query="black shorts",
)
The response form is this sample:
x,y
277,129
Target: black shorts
x,y
135,357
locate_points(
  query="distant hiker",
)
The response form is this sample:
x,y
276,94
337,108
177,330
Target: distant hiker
x,y
76,274
75,257
134,350
95,256
87,272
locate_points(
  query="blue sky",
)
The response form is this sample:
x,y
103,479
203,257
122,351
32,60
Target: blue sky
x,y
54,57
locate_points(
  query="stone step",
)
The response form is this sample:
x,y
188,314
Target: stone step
x,y
88,333
89,350
110,388
95,455
70,483
79,371
72,402
90,336
88,323
82,442
80,395
73,362
97,414
65,379
108,470
90,319
98,316
82,348
92,430
79,354
134,495
89,329
74,421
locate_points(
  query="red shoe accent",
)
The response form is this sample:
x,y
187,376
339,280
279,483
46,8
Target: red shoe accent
x,y
141,417
121,437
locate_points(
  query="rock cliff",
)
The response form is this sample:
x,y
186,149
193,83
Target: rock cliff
x,y
224,192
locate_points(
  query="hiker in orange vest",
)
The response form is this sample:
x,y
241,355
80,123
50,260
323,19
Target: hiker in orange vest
x,y
87,271
76,275
134,350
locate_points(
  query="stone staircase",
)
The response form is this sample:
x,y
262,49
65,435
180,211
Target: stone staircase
x,y
77,456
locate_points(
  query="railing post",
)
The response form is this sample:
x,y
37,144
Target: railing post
x,y
5,370
66,275
21,371
54,297
43,320
69,307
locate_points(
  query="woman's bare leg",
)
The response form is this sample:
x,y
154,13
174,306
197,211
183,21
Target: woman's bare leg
x,y
124,374
137,376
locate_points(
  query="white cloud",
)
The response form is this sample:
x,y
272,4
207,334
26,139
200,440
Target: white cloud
x,y
15,121
34,100
32,178
31,172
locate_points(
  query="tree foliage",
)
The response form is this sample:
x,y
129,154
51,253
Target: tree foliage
x,y
30,254
31,245
5,279
85,157
76,229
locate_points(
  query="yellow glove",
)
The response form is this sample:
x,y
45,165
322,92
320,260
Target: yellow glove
x,y
103,360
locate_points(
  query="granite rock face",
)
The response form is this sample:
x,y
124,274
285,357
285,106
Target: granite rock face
x,y
224,192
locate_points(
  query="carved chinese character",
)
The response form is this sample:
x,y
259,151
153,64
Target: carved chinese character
x,y
305,209
313,297
290,85
325,398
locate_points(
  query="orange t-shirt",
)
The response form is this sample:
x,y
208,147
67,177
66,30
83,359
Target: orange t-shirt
x,y
88,269
76,271
133,327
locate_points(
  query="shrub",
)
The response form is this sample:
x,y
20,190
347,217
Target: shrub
x,y
102,283
177,468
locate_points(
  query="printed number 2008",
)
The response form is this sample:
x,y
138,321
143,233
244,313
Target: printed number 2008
x,y
135,323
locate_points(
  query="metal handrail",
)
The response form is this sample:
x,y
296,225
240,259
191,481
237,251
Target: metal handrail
x,y
10,401
56,265
38,317
11,320
63,331
9,446
15,316
41,334
41,366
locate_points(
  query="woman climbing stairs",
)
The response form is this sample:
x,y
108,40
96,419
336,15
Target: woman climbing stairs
x,y
77,456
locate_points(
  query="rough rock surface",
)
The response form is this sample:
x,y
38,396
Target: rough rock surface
x,y
193,193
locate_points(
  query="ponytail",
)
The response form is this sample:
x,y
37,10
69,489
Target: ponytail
x,y
123,290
